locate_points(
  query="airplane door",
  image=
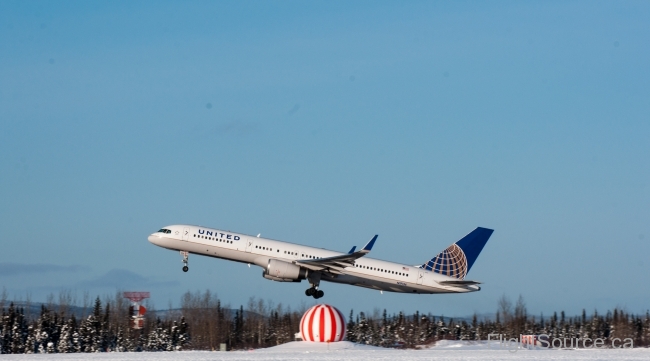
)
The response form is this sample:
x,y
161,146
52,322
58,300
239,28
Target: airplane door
x,y
186,233
249,245
420,276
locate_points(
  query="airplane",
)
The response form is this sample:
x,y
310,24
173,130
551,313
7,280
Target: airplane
x,y
290,262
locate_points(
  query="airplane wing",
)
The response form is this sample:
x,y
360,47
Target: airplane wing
x,y
337,264
459,283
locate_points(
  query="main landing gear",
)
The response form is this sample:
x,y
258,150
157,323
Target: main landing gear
x,y
314,280
185,255
313,292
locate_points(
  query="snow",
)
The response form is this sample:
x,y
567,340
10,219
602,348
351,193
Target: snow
x,y
444,350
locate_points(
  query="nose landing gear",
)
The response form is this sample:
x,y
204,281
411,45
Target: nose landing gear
x,y
185,255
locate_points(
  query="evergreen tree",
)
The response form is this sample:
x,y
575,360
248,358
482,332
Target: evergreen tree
x,y
105,340
361,330
350,334
65,339
8,319
76,338
18,332
120,341
154,340
30,341
43,332
183,335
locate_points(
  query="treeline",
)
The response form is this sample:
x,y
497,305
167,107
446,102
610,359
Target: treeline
x,y
260,324
105,329
203,323
511,321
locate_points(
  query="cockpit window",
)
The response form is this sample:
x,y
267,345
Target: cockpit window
x,y
164,230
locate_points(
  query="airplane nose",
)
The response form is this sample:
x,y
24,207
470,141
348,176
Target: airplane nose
x,y
153,238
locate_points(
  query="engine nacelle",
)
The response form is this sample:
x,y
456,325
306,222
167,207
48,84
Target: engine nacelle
x,y
284,271
278,279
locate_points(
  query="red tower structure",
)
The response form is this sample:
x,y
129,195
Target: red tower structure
x,y
136,310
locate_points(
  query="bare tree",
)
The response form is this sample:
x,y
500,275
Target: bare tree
x,y
3,298
504,306
66,299
520,316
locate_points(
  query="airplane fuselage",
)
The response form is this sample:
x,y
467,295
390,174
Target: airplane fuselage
x,y
365,271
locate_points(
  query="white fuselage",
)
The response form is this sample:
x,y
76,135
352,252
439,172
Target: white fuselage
x,y
367,272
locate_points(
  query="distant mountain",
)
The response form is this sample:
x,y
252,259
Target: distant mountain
x,y
32,310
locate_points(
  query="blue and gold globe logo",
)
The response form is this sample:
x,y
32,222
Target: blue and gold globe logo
x,y
450,262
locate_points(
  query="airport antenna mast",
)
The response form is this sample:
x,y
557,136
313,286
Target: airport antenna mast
x,y
136,311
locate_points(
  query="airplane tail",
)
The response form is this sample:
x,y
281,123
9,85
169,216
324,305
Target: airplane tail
x,y
457,259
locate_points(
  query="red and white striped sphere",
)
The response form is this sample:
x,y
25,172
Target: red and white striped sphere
x,y
322,323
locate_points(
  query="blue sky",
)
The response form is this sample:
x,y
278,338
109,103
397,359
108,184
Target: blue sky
x,y
325,123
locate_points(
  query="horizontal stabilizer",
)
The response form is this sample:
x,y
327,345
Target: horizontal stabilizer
x,y
459,283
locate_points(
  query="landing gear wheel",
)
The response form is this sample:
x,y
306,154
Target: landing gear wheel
x,y
185,268
318,294
310,292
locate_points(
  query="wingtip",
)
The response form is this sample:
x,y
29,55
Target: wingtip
x,y
368,246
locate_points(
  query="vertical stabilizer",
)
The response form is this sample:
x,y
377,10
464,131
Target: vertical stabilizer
x,y
457,259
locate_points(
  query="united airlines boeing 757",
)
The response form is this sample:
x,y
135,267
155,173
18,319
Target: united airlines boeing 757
x,y
289,262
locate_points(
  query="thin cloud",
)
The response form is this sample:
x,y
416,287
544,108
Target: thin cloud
x,y
293,110
16,269
236,127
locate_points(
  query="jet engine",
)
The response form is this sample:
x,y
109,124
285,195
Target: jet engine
x,y
284,272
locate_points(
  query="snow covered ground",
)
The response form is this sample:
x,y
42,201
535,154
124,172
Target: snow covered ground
x,y
447,350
